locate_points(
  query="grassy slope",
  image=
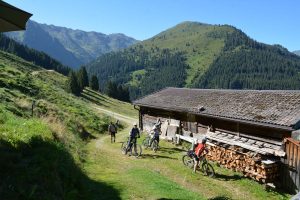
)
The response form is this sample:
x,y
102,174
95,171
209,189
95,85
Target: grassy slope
x,y
108,103
43,154
191,38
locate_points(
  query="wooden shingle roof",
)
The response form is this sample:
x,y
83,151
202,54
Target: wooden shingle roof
x,y
278,107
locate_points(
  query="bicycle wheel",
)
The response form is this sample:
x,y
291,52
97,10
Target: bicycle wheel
x,y
124,147
138,151
145,142
188,161
154,146
208,170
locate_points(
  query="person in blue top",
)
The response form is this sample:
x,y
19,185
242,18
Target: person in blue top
x,y
133,135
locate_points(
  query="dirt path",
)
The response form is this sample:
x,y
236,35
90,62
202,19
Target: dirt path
x,y
128,120
37,72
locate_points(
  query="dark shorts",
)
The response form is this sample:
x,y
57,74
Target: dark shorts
x,y
113,134
195,157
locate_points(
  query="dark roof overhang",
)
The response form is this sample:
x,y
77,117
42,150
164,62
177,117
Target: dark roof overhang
x,y
242,121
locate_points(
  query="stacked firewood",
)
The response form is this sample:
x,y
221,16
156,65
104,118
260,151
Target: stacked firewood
x,y
249,163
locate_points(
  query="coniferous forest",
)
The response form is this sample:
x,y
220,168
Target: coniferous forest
x,y
158,69
31,55
247,64
242,63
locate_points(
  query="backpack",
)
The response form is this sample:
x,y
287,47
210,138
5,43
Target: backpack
x,y
190,153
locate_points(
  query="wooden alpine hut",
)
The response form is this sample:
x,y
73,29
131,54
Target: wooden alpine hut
x,y
255,132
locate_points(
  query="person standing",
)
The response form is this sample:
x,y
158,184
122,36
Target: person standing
x,y
112,130
133,135
156,133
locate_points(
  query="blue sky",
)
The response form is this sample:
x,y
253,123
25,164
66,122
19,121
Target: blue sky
x,y
268,21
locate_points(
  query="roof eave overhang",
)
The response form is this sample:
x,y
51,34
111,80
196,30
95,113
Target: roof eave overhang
x,y
242,121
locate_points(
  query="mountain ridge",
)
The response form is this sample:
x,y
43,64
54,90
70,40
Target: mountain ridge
x,y
72,47
196,53
297,52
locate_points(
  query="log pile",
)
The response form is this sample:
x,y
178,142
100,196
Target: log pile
x,y
249,163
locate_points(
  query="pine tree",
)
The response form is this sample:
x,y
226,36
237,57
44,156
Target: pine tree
x,y
125,94
111,89
73,85
83,78
94,84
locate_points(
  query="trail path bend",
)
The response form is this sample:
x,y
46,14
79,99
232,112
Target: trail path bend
x,y
127,119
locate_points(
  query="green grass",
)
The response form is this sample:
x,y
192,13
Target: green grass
x,y
162,175
105,102
136,77
16,130
158,186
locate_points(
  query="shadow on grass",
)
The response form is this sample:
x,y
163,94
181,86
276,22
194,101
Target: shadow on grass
x,y
46,170
220,198
224,177
95,93
87,97
167,199
95,96
83,133
156,156
171,150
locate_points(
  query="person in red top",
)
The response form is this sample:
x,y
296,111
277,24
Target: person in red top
x,y
198,151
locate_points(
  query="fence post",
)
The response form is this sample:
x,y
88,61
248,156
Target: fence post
x,y
32,107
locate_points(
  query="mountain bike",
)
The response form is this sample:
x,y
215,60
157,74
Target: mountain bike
x,y
204,166
146,143
137,148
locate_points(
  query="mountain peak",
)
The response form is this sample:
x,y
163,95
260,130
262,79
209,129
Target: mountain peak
x,y
71,47
191,23
297,52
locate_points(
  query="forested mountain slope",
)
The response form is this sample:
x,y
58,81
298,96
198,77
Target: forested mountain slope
x,y
199,55
31,55
247,64
70,47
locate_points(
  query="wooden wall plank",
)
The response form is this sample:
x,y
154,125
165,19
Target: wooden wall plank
x,y
295,162
298,169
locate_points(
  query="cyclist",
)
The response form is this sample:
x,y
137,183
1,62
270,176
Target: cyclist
x,y
197,152
156,133
133,135
112,130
